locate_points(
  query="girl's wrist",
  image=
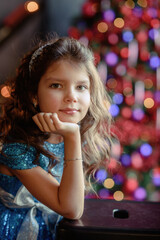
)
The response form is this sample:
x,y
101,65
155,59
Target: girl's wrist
x,y
74,136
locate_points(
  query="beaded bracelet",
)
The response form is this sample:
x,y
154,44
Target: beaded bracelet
x,y
69,160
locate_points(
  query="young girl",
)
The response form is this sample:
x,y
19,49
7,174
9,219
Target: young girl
x,y
56,116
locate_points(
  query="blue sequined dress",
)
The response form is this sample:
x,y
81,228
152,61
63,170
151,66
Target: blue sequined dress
x,y
22,217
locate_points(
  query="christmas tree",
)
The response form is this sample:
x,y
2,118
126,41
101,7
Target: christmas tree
x,y
125,38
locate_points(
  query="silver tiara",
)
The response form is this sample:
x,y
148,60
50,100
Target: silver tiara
x,y
36,54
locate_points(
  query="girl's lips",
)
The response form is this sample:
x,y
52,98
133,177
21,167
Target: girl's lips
x,y
69,110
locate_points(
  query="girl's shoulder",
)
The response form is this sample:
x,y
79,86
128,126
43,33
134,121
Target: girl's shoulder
x,y
18,156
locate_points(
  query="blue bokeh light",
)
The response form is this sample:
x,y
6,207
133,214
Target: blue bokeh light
x,y
137,11
146,149
153,33
126,160
118,179
101,175
114,110
103,193
118,98
154,62
127,36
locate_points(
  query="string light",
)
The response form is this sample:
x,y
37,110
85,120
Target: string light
x,y
111,58
5,92
101,175
148,83
148,102
131,185
124,52
32,6
136,160
108,183
109,15
119,22
118,195
121,70
140,194
103,193
126,112
146,149
111,83
114,110
142,3
102,27
118,98
113,38
130,4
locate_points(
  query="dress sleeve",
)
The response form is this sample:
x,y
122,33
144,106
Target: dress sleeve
x,y
18,156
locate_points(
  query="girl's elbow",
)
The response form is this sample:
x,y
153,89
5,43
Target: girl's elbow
x,y
74,215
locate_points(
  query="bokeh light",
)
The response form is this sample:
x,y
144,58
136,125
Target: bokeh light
x,y
119,22
103,193
154,62
111,83
118,179
126,112
131,184
108,183
5,92
126,160
109,15
156,176
140,194
146,149
113,38
138,114
130,4
121,70
127,36
148,83
148,102
102,27
142,3
31,6
136,160
111,58
118,195
114,110
117,98
101,175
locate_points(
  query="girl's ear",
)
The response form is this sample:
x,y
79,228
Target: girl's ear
x,y
35,102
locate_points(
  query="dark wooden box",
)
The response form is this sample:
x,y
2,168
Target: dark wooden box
x,y
109,219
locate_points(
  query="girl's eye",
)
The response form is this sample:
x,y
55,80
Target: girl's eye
x,y
82,87
55,85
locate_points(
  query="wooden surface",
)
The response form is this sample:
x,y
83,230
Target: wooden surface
x,y
109,219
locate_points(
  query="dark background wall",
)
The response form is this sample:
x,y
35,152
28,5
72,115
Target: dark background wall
x,y
55,16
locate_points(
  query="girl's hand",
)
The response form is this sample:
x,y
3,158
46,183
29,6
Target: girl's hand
x,y
49,122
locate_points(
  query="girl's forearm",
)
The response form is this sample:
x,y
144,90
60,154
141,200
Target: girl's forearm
x,y
71,190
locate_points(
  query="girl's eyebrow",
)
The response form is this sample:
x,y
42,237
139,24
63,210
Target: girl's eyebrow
x,y
84,81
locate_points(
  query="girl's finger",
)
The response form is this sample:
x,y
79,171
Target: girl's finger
x,y
57,122
42,123
37,122
50,122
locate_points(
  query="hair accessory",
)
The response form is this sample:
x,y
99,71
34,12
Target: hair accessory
x,y
36,54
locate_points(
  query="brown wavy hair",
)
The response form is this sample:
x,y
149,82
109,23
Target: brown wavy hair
x,y
16,124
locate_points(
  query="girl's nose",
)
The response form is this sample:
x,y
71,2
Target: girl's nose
x,y
70,96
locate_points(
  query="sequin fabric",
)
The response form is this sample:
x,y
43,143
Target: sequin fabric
x,y
19,156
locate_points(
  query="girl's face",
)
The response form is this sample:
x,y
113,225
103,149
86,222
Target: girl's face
x,y
65,89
